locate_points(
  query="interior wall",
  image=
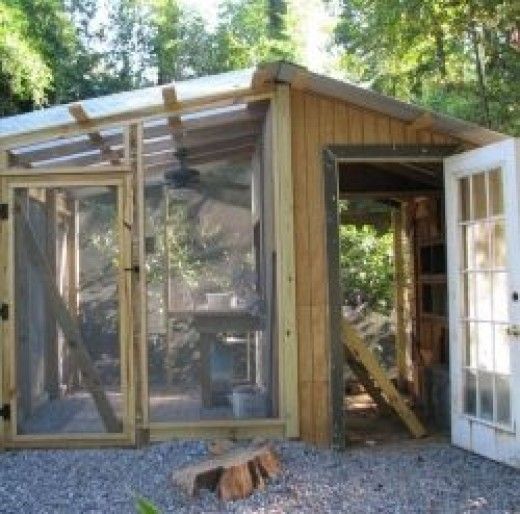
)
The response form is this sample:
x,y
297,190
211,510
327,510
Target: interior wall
x,y
319,121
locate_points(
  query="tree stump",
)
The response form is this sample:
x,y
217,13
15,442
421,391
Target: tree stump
x,y
232,476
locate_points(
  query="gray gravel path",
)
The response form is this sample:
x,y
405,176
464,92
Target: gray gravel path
x,y
405,477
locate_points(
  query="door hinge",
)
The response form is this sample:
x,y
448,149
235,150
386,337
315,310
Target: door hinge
x,y
5,412
4,312
4,211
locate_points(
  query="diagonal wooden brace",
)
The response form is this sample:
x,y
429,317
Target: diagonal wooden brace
x,y
366,363
70,327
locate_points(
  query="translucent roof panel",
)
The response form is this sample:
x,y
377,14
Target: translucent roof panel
x,y
126,102
215,84
41,119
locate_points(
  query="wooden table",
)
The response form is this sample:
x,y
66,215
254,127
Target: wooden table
x,y
208,323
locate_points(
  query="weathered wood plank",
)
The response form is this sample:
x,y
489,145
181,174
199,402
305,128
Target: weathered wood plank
x,y
284,209
341,123
356,346
355,126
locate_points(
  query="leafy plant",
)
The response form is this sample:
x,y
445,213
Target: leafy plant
x,y
366,269
144,506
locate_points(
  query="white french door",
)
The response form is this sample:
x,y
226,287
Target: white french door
x,y
482,190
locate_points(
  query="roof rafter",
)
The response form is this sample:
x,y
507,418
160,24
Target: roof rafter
x,y
205,150
424,121
414,173
171,103
79,114
233,155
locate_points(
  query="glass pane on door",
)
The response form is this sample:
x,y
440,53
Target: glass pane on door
x,y
484,313
67,281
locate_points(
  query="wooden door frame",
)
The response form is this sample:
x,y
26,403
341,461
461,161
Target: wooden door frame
x,y
333,156
122,181
3,294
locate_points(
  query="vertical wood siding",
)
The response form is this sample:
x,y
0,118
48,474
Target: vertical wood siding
x,y
318,121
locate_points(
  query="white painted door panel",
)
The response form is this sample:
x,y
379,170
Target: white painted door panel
x,y
482,190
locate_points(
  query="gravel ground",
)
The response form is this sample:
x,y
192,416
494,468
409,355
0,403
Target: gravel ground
x,y
407,477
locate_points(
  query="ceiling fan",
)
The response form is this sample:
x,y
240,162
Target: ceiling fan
x,y
182,175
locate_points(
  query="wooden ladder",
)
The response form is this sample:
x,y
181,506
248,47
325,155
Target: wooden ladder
x,y
375,381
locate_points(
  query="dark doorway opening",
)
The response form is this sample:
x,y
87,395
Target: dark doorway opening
x,y
397,191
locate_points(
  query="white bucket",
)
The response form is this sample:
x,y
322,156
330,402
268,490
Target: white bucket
x,y
219,301
249,402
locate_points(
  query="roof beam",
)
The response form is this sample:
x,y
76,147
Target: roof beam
x,y
391,153
79,114
391,194
425,179
17,160
206,138
215,101
422,122
203,151
227,156
261,77
171,103
37,153
79,160
235,124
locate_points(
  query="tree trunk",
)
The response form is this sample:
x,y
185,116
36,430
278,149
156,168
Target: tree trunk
x,y
480,73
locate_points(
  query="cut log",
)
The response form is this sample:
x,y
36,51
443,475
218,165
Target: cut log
x,y
232,476
220,446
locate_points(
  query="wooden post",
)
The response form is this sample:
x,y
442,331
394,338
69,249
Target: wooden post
x,y
22,350
401,285
3,293
71,371
285,263
166,301
136,212
51,334
336,359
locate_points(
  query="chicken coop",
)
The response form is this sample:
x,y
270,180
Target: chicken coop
x,y
169,262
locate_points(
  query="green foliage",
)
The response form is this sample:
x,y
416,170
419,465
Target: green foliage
x,y
460,57
247,33
144,506
181,46
457,57
24,74
65,52
252,32
366,266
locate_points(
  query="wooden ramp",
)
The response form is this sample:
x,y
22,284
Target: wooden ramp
x,y
375,381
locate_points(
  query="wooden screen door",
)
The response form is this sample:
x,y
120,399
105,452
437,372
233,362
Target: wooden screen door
x,y
483,247
67,336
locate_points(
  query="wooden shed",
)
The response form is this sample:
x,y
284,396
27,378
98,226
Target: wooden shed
x,y
169,261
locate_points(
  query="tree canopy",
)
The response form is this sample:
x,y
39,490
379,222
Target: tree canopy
x,y
64,52
461,57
